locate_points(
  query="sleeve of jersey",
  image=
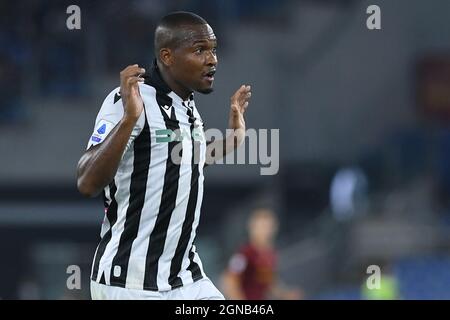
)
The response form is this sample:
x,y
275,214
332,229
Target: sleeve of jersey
x,y
111,112
238,263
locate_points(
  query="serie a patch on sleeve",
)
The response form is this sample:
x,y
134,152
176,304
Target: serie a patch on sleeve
x,y
102,129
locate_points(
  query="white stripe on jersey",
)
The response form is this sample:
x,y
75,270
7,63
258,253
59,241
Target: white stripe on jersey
x,y
197,260
122,195
106,226
155,183
184,273
179,213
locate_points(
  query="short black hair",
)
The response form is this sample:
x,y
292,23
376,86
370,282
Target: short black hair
x,y
169,31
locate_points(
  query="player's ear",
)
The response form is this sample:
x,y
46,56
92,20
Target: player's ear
x,y
165,54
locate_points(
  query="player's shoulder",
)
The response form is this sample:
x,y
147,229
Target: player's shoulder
x,y
112,107
150,99
113,103
246,249
114,95
112,98
147,89
148,94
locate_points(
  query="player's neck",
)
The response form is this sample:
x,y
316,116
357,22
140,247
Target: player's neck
x,y
180,90
261,245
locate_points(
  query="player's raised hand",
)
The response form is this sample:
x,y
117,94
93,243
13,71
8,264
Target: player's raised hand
x,y
129,90
239,103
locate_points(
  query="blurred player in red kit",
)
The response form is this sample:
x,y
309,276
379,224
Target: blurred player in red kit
x,y
251,272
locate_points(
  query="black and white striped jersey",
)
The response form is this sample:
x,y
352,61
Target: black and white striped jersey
x,y
152,207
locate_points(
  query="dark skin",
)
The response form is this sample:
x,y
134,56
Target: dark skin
x,y
185,68
98,165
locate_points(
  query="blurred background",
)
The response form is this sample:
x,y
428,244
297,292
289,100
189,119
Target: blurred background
x,y
364,119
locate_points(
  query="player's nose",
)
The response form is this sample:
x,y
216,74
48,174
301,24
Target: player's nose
x,y
211,59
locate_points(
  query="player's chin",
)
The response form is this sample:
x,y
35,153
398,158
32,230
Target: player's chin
x,y
205,89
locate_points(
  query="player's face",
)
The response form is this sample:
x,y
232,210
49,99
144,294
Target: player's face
x,y
263,228
194,63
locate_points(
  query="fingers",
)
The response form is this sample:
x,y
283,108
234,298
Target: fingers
x,y
129,78
133,80
244,98
132,71
241,98
243,90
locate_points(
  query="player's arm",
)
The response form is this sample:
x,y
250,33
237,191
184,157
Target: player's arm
x,y
98,165
232,286
279,291
239,103
232,277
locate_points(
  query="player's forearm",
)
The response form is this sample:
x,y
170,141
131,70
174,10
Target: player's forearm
x,y
235,293
218,149
278,291
98,166
232,288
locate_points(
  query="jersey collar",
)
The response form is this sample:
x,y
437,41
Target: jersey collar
x,y
155,80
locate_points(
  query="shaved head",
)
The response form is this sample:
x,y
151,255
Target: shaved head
x,y
185,51
174,29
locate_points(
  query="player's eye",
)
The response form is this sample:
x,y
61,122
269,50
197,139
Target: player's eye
x,y
214,50
198,50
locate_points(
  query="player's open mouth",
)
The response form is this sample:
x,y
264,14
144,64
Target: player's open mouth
x,y
209,76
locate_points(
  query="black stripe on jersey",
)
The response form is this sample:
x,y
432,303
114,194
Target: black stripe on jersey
x,y
193,267
175,267
111,215
168,201
138,188
102,279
